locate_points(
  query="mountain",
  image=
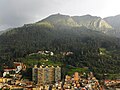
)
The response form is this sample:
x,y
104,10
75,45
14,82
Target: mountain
x,y
63,33
58,20
1,32
114,21
91,22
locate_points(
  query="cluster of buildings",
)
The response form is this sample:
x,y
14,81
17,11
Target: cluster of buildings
x,y
46,74
112,83
51,53
12,78
81,82
77,81
48,78
43,53
18,66
43,78
67,53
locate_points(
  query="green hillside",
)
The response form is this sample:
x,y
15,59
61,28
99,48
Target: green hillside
x,y
92,49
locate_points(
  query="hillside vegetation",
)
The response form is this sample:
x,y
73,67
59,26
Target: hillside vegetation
x,y
92,48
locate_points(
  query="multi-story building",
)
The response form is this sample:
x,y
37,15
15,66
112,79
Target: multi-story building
x,y
46,75
40,75
57,73
52,74
76,76
35,74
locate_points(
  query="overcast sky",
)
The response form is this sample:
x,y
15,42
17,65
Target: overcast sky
x,y
14,13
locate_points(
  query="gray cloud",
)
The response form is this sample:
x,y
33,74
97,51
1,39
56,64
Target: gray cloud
x,y
18,12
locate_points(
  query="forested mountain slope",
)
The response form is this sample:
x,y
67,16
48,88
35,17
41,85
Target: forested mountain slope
x,y
91,48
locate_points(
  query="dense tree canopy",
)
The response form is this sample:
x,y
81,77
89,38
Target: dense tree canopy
x,y
86,45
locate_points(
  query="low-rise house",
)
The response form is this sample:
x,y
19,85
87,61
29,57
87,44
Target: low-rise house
x,y
12,71
9,71
5,80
